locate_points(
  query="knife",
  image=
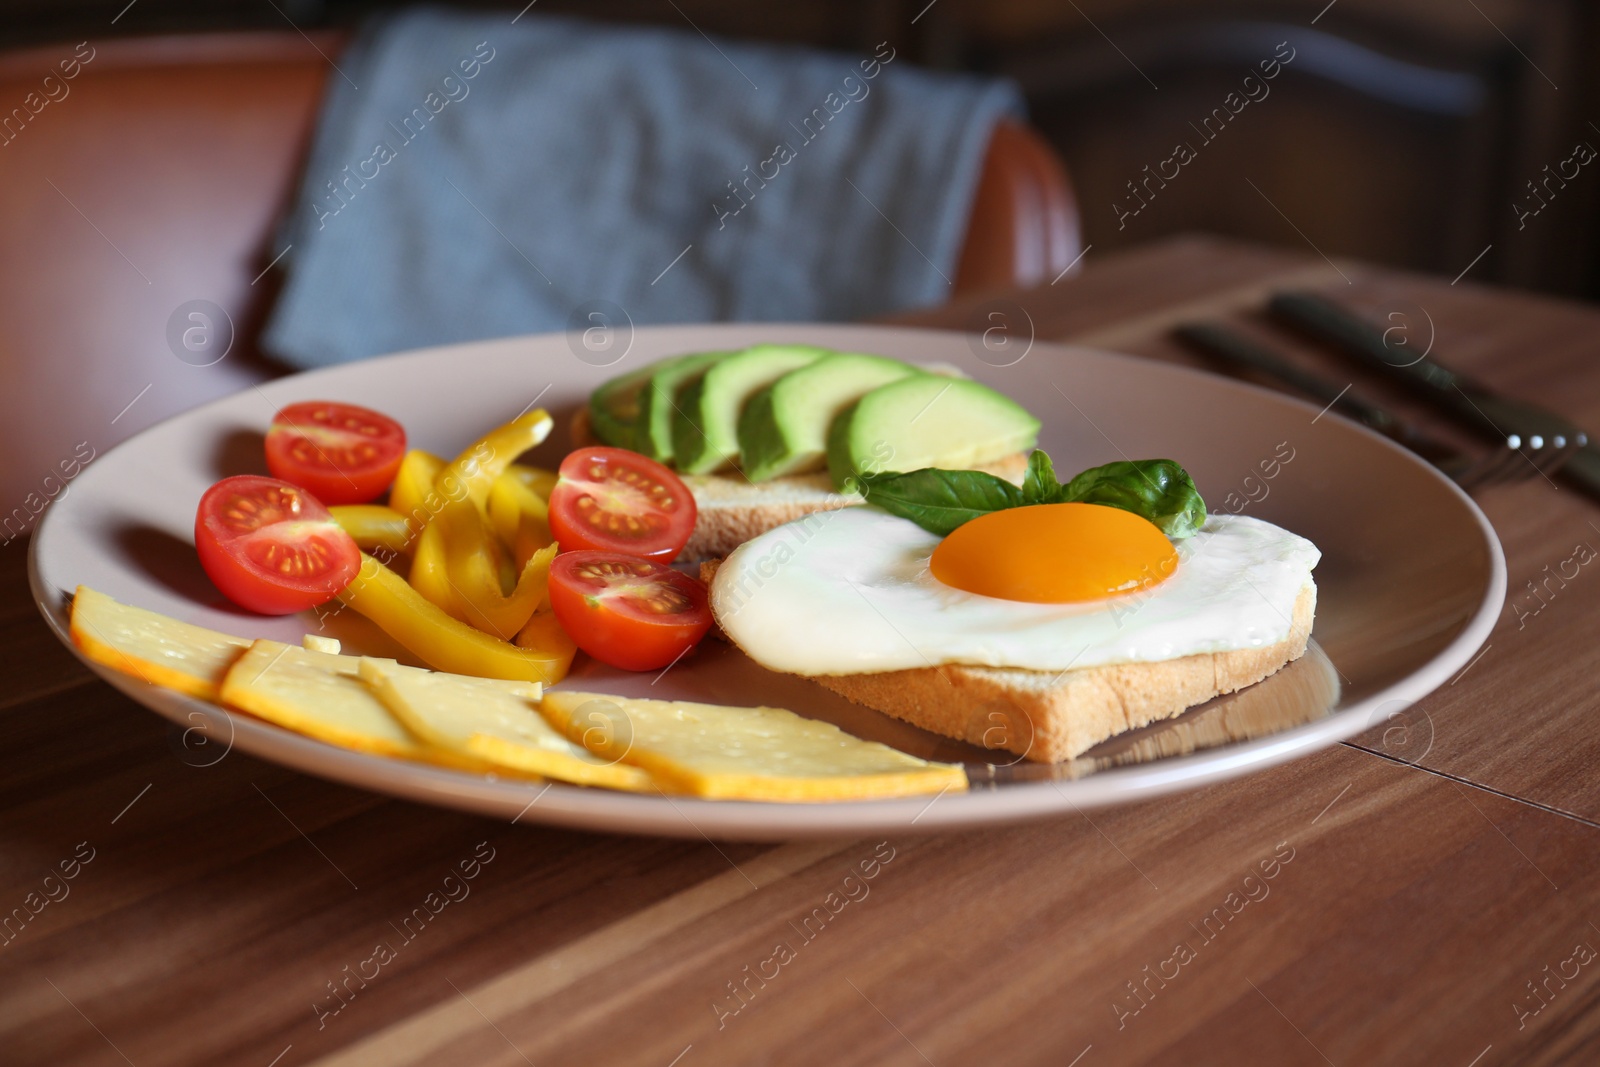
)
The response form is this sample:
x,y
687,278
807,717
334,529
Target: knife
x,y
1239,351
1472,404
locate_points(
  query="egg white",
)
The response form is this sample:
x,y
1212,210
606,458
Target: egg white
x,y
849,592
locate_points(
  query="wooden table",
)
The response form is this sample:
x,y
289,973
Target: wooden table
x,y
1438,908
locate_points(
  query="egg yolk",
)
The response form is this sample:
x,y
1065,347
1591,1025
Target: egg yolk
x,y
1055,554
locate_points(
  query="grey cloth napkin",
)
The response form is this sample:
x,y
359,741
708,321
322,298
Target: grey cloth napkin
x,y
474,176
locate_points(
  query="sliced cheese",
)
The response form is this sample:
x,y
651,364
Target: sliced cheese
x,y
319,695
712,750
161,650
494,721
315,643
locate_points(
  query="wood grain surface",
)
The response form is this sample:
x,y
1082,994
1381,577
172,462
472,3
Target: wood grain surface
x,y
1433,901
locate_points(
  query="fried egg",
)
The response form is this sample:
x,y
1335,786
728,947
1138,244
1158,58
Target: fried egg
x,y
859,591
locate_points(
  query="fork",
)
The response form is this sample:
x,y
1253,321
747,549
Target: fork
x,y
1472,404
1538,456
1515,458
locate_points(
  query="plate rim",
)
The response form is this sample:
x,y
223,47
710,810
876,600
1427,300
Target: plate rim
x,y
576,807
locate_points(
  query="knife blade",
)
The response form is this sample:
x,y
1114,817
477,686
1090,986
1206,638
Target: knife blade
x,y
1470,403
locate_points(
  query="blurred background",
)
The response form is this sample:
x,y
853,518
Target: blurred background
x,y
1410,132
143,218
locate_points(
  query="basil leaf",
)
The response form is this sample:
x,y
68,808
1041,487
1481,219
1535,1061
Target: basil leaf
x,y
1039,485
1157,489
940,500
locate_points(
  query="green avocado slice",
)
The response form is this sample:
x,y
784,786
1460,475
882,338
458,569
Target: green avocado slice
x,y
927,421
659,401
705,429
784,427
614,407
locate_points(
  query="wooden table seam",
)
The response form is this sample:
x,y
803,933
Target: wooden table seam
x,y
1459,780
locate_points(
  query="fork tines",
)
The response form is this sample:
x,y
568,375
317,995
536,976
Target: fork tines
x,y
1517,460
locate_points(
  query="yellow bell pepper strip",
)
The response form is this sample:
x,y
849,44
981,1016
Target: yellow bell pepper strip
x,y
374,527
428,573
413,484
447,644
519,517
473,472
544,633
505,572
472,561
538,479
505,511
472,556
508,615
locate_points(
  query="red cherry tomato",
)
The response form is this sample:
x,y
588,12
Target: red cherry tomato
x,y
344,454
271,546
629,612
613,500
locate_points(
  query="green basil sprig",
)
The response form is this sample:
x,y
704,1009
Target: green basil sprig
x,y
1157,489
940,500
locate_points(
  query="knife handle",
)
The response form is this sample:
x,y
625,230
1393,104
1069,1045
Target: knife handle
x,y
1327,321
1239,351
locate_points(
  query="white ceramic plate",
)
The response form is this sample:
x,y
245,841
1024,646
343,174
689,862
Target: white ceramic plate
x,y
1411,580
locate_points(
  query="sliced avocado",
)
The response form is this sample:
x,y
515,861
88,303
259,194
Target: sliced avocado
x,y
614,407
784,427
659,401
705,428
927,421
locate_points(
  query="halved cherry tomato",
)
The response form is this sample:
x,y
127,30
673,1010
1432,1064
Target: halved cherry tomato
x,y
342,453
629,612
613,500
272,547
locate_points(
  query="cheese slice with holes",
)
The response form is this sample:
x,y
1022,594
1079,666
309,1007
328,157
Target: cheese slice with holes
x,y
322,696
712,750
148,645
494,721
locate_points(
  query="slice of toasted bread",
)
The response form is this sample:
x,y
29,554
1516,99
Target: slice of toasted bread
x,y
732,509
1053,716
1049,717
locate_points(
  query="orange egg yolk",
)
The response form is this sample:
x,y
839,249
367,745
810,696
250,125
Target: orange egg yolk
x,y
1055,554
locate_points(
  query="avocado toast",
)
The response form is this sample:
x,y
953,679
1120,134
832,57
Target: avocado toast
x,y
771,433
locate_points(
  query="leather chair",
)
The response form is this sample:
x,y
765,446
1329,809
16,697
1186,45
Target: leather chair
x,y
139,175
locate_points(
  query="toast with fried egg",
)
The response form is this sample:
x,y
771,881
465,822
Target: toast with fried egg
x,y
731,509
1050,716
1038,630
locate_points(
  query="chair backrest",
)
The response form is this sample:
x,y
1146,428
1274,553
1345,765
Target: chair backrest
x,y
139,183
148,180
1024,228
